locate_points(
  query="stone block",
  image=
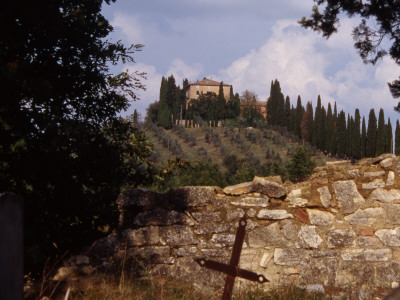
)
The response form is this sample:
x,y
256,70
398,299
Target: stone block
x,y
143,236
290,257
354,173
389,237
347,196
266,258
251,201
268,235
277,214
143,198
211,227
289,229
386,163
320,218
325,196
390,178
369,242
393,213
340,238
302,216
385,195
377,183
206,217
269,188
374,174
185,251
221,240
159,217
239,189
365,231
177,235
308,237
298,202
367,255
191,196
235,214
365,216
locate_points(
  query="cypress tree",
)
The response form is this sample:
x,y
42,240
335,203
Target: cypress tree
x,y
163,90
363,139
380,137
317,121
389,138
349,136
322,130
397,139
334,131
310,120
221,102
275,105
299,117
341,134
292,119
371,134
287,113
356,141
329,129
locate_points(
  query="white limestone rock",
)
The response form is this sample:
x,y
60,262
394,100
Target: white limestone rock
x,y
320,218
386,163
389,237
347,195
374,174
277,214
251,201
390,178
269,188
325,196
377,183
366,254
290,257
309,238
365,216
340,238
385,195
298,202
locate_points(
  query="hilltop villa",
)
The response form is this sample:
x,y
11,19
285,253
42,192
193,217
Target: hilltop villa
x,y
195,89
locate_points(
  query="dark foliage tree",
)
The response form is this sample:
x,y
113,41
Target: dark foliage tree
x,y
380,135
152,112
389,138
341,134
356,140
275,105
363,139
309,122
334,132
373,40
371,134
317,120
221,102
299,117
63,147
397,139
349,135
287,113
301,165
329,129
322,130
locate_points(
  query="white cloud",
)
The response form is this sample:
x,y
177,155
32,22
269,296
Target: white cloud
x,y
129,25
181,70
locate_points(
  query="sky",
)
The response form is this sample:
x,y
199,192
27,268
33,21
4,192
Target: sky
x,y
249,43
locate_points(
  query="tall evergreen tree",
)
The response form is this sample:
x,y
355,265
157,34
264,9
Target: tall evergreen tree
x,y
322,130
287,113
363,139
163,90
389,138
397,139
299,117
275,105
371,134
349,135
329,129
171,91
221,102
309,122
380,138
341,134
317,121
334,132
356,141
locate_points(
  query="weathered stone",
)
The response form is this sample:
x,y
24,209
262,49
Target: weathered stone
x,y
177,235
139,197
369,242
365,216
315,288
393,213
267,235
290,257
320,218
277,214
249,259
239,189
325,196
251,202
389,237
143,236
159,217
153,255
385,195
298,202
289,229
206,217
340,238
374,174
390,178
366,254
269,188
277,179
236,214
381,157
294,194
302,216
309,237
222,240
207,228
320,180
377,183
354,173
251,212
347,195
192,196
185,251
386,163
266,257
215,252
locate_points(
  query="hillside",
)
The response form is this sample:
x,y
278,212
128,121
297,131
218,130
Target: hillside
x,y
258,145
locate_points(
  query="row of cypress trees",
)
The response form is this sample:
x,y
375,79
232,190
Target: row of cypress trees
x,y
328,130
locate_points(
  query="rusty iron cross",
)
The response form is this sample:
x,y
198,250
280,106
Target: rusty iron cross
x,y
232,270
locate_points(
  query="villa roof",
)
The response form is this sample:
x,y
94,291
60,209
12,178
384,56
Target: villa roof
x,y
207,82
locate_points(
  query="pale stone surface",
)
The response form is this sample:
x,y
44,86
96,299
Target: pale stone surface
x,y
320,218
206,217
277,214
297,202
251,212
354,173
369,242
251,202
374,174
222,240
269,188
340,238
290,257
295,194
289,229
347,195
268,235
393,213
389,237
385,195
192,196
390,178
185,251
266,257
367,254
365,216
308,236
142,236
315,288
239,189
177,235
386,163
211,227
236,214
325,196
377,183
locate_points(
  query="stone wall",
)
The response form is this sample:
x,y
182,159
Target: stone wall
x,y
339,230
